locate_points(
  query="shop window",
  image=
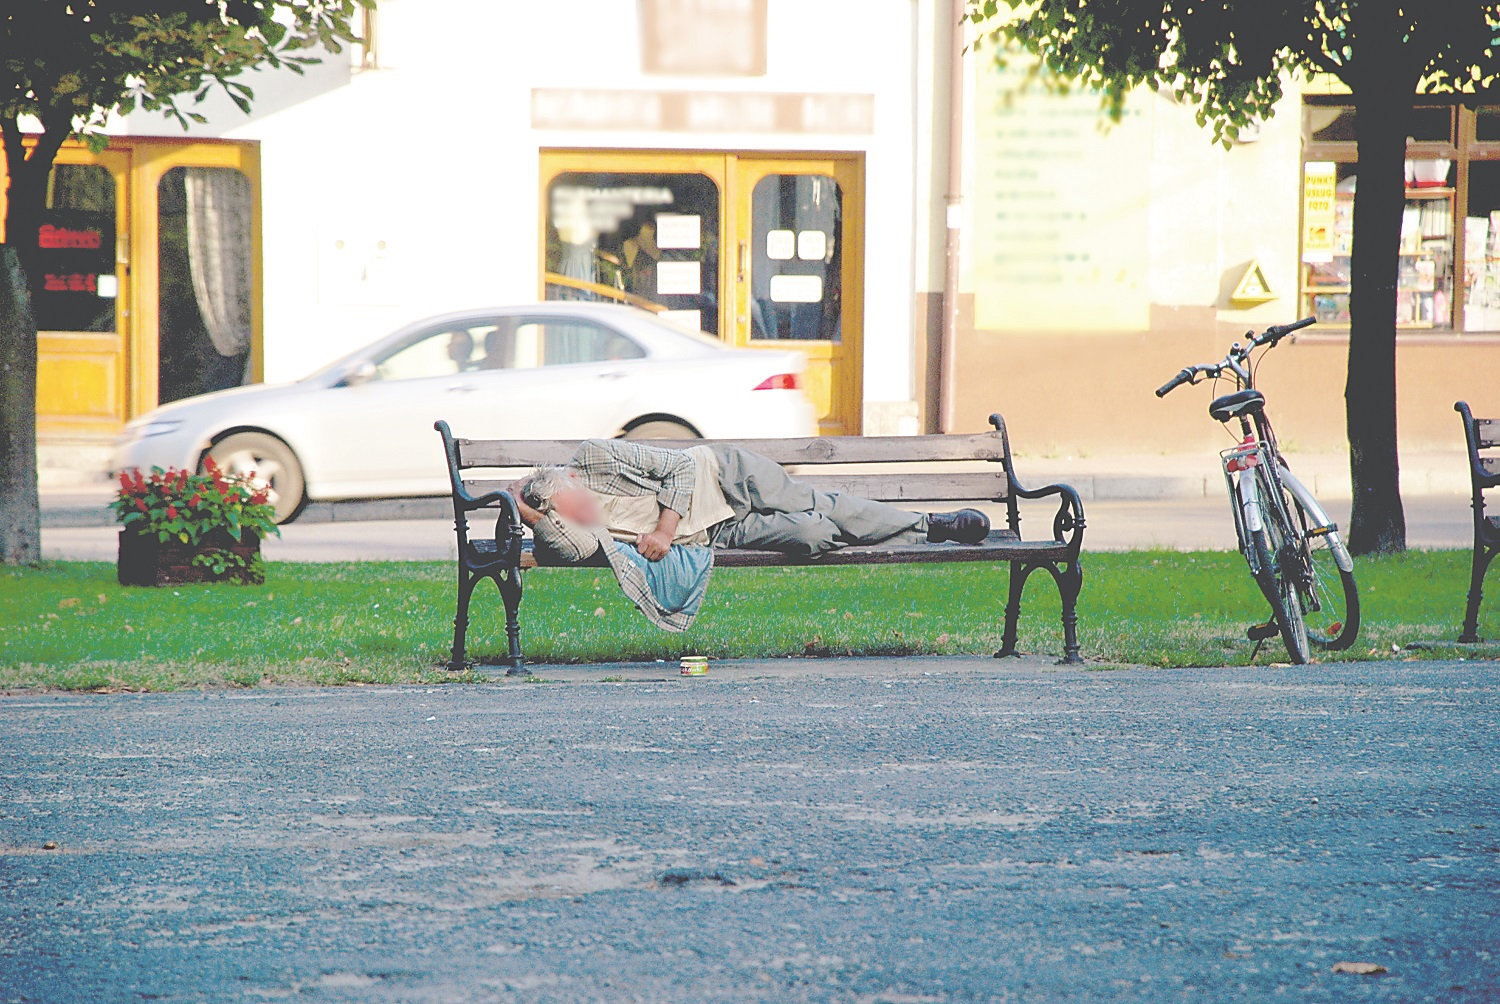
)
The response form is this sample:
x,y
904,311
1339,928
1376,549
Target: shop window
x,y
1449,272
1487,125
73,282
1482,248
204,281
1335,124
796,258
648,239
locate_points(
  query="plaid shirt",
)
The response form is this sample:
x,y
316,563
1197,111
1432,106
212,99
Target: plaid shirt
x,y
627,468
620,467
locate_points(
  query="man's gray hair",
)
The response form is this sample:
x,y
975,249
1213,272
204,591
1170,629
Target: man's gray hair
x,y
538,488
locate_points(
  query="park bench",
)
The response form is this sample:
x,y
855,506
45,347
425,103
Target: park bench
x,y
873,467
1481,434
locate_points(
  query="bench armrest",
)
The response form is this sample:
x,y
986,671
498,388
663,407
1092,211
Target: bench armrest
x,y
1067,523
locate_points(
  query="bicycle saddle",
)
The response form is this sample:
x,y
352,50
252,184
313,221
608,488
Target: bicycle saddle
x,y
1241,402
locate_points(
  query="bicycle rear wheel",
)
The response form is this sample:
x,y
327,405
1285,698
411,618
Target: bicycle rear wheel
x,y
1330,597
1276,550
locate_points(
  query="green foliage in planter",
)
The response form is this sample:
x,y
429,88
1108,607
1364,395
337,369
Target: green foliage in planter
x,y
177,504
222,561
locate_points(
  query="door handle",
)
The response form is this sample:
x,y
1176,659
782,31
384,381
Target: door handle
x,y
611,375
744,254
462,388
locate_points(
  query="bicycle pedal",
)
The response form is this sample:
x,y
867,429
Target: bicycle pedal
x,y
1262,632
1322,531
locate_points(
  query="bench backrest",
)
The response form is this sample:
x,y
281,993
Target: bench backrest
x,y
966,466
1481,434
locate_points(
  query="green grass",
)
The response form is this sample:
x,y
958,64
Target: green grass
x,y
69,625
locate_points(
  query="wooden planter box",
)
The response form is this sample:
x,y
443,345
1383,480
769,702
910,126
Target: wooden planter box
x,y
146,561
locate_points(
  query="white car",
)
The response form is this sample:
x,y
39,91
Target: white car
x,y
362,426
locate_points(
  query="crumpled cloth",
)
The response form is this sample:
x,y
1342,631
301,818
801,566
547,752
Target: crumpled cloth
x,y
670,591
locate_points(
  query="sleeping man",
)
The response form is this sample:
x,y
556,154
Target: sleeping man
x,y
658,514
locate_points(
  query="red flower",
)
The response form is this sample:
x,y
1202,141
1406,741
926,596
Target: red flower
x,y
171,511
196,500
141,505
140,482
259,498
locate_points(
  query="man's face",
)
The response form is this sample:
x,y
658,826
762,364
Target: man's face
x,y
577,505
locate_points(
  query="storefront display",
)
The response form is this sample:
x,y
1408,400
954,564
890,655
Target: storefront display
x,y
1451,216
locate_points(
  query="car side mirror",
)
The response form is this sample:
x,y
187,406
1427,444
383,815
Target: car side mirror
x,y
363,372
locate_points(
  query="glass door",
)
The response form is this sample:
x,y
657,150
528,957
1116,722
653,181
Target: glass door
x,y
79,284
797,273
762,251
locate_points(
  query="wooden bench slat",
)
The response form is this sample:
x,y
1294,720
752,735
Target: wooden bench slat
x,y
1487,432
896,488
1491,465
819,450
1001,545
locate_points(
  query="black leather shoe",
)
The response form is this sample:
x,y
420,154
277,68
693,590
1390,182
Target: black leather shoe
x,y
967,526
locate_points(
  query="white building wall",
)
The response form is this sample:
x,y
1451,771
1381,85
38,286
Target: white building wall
x,y
427,168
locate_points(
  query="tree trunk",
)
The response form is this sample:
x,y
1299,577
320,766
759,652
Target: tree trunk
x,y
1377,523
20,512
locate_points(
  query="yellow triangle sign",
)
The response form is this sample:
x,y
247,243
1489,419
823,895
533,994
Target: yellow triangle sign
x,y
1253,288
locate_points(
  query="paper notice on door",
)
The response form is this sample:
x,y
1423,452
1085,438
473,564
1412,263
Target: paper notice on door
x,y
687,320
796,288
679,278
109,286
781,244
679,230
812,245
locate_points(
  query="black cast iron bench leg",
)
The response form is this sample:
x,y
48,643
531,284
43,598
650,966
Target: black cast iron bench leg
x,y
1069,579
510,585
1482,558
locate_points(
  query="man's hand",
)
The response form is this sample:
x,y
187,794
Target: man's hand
x,y
654,545
658,542
529,516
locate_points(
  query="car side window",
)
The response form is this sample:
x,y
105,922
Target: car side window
x,y
529,342
441,352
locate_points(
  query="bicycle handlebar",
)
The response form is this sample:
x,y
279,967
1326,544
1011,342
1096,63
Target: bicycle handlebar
x,y
1237,356
1277,332
1172,384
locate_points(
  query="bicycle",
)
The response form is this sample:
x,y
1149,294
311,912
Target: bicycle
x,y
1295,552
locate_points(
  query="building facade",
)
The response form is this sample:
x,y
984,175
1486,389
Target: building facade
x,y
775,173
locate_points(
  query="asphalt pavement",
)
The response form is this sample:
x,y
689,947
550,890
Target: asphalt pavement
x,y
911,830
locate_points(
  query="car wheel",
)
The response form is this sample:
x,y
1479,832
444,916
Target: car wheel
x,y
267,459
661,429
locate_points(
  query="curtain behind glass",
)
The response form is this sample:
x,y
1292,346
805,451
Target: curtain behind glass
x,y
218,225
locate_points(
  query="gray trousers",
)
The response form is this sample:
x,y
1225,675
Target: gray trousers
x,y
773,512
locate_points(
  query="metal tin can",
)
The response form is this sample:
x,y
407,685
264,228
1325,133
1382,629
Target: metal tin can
x,y
694,665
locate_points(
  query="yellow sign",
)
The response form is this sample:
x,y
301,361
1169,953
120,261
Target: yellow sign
x,y
1252,289
1319,177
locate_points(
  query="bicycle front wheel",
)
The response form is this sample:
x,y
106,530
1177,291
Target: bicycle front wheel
x,y
1330,597
1278,555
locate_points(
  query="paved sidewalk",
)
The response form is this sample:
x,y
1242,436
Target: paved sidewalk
x,y
880,830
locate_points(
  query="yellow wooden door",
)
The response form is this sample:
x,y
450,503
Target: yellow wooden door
x,y
798,272
81,296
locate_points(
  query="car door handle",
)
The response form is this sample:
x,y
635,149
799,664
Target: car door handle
x,y
612,375
462,388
